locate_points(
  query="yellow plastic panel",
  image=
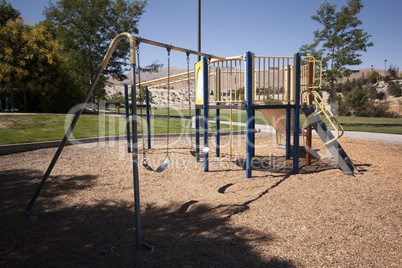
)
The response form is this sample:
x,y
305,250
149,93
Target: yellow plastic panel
x,y
199,83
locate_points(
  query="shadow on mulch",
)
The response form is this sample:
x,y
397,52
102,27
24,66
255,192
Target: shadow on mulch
x,y
281,165
57,234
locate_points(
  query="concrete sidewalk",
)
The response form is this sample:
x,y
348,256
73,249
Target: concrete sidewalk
x,y
367,136
379,137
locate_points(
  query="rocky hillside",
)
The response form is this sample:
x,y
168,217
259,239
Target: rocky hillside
x,y
395,103
179,94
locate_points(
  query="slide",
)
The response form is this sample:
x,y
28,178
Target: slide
x,y
277,119
340,156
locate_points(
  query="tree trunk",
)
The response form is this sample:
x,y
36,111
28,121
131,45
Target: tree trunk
x,y
25,101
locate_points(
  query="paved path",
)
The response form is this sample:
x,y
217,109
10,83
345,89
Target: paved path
x,y
368,136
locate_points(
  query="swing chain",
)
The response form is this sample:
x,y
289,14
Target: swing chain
x,y
144,156
189,98
169,48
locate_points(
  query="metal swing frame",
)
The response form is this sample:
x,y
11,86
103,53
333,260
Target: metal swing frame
x,y
133,40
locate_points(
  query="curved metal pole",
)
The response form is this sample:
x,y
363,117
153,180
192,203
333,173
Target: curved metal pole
x,y
137,208
82,106
64,141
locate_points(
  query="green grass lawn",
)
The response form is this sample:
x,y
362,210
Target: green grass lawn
x,y
371,124
48,127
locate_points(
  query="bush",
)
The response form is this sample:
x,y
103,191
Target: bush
x,y
380,110
339,106
381,95
394,89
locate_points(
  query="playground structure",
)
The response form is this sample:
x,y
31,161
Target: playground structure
x,y
246,82
272,85
12,105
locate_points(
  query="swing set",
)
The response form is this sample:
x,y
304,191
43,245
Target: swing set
x,y
261,80
163,82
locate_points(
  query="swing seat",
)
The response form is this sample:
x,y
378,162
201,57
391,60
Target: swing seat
x,y
202,154
161,168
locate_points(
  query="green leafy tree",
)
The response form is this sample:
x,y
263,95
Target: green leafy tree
x,y
358,100
373,77
31,66
116,98
340,42
141,96
86,28
7,12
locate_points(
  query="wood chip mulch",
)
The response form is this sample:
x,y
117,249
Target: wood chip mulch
x,y
317,218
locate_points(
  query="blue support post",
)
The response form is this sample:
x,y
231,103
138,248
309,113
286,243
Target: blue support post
x,y
249,115
205,108
127,117
218,130
288,126
288,118
296,125
253,133
197,133
148,117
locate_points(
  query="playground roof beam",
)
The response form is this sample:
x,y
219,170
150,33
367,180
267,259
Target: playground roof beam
x,y
174,79
147,41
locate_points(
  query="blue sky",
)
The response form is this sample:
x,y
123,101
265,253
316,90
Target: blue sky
x,y
265,27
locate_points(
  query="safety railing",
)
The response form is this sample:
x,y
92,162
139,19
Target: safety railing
x,y
321,107
304,76
227,80
274,79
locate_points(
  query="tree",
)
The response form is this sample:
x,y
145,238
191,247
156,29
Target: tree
x,y
7,12
141,96
117,97
30,65
86,28
340,42
393,71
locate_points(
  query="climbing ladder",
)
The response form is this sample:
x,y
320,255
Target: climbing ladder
x,y
330,141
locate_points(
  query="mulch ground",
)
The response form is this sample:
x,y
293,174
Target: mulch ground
x,y
318,218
